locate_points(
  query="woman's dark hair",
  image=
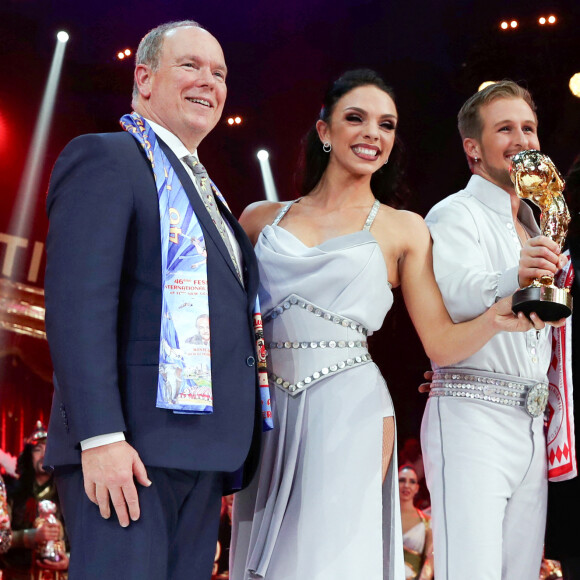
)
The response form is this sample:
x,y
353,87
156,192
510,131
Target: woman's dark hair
x,y
386,183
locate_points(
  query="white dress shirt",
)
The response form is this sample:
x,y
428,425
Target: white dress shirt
x,y
180,151
476,252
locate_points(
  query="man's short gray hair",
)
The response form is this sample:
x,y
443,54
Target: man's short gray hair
x,y
149,51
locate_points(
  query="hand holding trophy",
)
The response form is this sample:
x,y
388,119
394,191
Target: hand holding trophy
x,y
536,178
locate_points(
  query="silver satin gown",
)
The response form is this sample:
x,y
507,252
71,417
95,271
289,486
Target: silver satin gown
x,y
317,509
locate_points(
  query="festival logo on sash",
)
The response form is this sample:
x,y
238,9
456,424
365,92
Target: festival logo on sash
x,y
185,356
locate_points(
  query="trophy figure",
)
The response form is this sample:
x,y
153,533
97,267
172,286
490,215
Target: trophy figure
x,y
53,549
536,178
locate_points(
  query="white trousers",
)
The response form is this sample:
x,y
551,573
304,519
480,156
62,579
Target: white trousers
x,y
486,469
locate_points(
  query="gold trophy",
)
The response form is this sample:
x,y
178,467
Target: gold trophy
x,y
536,178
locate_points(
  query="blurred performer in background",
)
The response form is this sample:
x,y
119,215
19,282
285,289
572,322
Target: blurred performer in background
x,y
27,559
5,529
417,534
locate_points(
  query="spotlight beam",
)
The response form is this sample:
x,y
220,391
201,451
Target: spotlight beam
x,y
267,177
30,182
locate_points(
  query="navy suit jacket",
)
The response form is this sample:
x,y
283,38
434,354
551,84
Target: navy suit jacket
x,y
103,312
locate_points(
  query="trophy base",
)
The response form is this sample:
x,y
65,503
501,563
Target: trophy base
x,y
548,302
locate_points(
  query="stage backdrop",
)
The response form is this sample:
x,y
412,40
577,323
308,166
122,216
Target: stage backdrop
x,y
25,368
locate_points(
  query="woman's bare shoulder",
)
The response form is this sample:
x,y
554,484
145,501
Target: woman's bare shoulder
x,y
406,224
258,215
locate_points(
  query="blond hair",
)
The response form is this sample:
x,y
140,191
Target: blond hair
x,y
469,120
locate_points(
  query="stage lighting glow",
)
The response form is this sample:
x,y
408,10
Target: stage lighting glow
x,y
267,177
238,120
514,23
485,84
552,19
504,25
62,36
127,52
120,55
230,121
29,189
542,20
3,134
574,84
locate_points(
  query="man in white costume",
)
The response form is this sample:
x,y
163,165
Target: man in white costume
x,y
483,431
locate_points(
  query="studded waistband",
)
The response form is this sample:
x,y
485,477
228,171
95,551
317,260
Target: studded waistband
x,y
344,344
293,300
294,389
491,387
319,344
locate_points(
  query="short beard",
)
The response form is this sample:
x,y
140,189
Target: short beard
x,y
501,177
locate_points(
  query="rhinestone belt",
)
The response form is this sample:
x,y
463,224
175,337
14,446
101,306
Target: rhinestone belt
x,y
298,301
296,389
320,344
502,389
349,359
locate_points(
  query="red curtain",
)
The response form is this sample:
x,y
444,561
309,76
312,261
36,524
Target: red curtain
x,y
25,397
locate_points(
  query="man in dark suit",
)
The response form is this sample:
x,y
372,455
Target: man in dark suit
x,y
105,289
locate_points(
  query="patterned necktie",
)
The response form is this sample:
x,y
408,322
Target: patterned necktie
x,y
206,194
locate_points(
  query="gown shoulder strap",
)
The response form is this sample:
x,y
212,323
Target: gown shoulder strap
x,y
372,215
283,212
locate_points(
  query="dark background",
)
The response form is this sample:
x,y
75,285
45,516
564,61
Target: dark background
x,y
281,57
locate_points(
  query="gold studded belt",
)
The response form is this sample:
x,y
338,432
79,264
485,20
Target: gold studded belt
x,y
527,394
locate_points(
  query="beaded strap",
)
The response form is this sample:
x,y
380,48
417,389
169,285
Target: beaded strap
x,y
283,212
319,344
368,223
298,301
372,215
294,389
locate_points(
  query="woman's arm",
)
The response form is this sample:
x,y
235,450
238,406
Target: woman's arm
x,y
427,570
445,342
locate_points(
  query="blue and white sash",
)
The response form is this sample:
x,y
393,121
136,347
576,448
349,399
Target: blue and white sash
x,y
184,355
185,383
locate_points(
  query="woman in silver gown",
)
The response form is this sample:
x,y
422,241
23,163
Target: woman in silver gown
x,y
325,505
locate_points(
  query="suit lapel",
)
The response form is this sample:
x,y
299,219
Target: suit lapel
x,y
198,206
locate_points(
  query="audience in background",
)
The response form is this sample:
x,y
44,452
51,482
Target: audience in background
x,y
31,534
5,530
410,454
417,535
